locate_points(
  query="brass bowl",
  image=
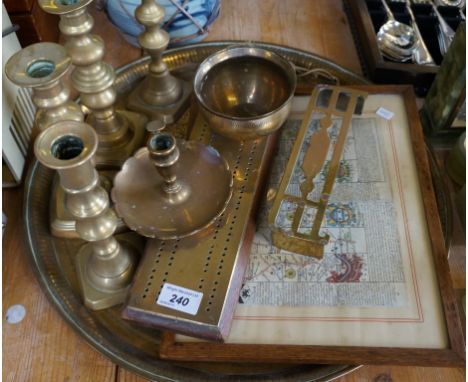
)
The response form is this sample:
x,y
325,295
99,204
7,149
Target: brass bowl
x,y
245,92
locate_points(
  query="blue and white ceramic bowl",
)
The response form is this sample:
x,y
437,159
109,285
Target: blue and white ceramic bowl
x,y
182,29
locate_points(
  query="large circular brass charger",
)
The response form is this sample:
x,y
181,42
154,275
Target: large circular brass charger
x,y
132,346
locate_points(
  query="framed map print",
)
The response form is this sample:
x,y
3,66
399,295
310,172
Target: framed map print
x,y
381,294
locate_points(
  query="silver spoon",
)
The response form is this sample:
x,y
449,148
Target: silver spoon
x,y
395,39
451,3
445,32
421,54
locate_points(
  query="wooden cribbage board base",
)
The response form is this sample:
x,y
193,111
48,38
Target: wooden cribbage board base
x,y
212,262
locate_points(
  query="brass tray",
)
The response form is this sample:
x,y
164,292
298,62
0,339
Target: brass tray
x,y
131,346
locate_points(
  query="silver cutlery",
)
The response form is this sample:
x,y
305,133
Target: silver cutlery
x,y
421,54
396,41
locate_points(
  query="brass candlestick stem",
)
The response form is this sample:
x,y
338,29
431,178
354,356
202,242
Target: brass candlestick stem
x,y
105,266
120,133
164,153
160,95
41,67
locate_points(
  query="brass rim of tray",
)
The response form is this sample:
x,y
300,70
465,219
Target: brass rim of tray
x,y
98,328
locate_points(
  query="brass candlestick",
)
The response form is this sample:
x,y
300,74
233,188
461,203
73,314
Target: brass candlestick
x,y
171,190
41,67
120,133
160,95
105,266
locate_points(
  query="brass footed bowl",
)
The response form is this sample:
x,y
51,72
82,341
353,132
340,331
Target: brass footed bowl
x,y
245,92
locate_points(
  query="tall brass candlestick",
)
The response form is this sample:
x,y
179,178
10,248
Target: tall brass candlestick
x,y
105,266
41,67
120,133
160,95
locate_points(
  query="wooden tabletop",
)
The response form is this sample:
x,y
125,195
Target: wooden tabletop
x,y
42,348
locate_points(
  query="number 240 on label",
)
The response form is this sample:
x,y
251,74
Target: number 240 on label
x,y
180,298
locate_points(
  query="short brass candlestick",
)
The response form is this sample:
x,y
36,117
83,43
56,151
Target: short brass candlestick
x,y
120,133
172,189
41,67
105,266
160,95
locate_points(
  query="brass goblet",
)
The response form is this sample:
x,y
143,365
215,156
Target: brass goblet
x,y
105,266
41,67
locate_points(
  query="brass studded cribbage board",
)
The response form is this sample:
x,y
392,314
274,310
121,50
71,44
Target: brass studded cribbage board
x,y
210,265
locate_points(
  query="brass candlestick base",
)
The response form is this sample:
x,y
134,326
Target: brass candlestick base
x,y
160,95
96,278
41,67
169,113
120,133
113,153
171,191
105,265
